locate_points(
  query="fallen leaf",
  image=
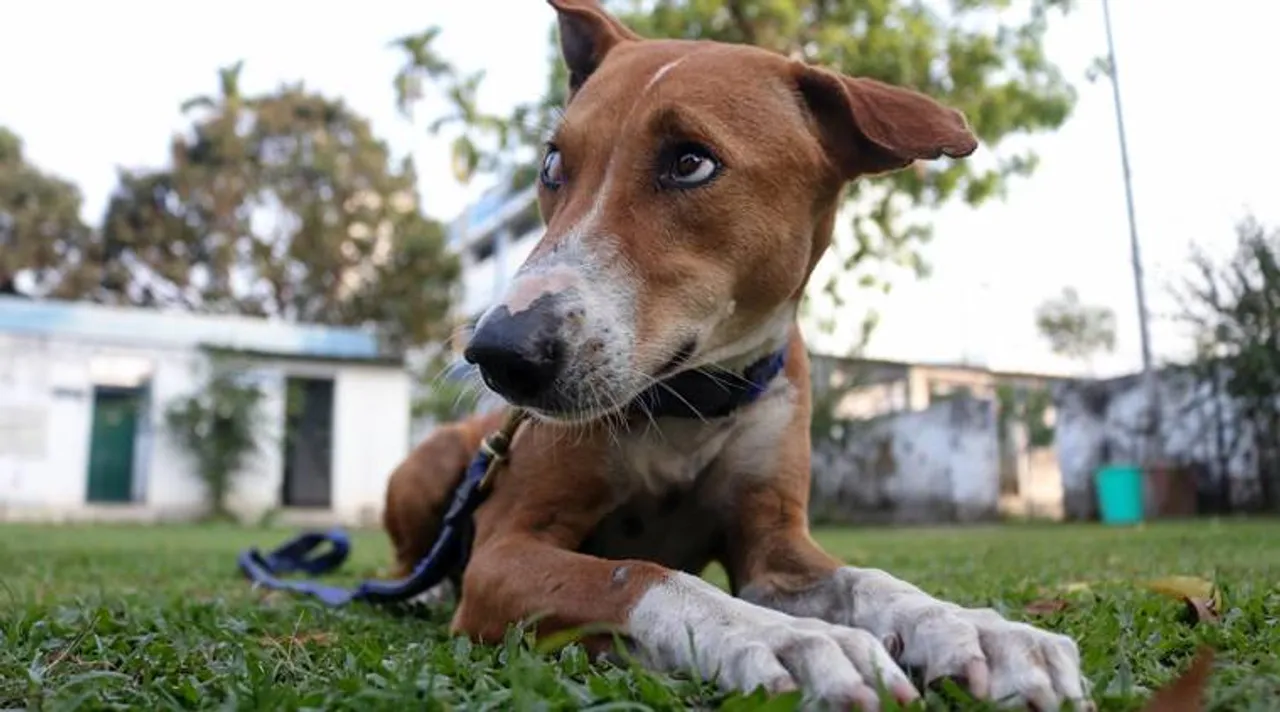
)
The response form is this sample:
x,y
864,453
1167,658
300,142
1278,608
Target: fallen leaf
x,y
1046,606
1181,586
1185,694
1202,610
1202,598
1068,588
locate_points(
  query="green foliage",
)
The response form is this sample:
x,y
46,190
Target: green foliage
x,y
825,423
283,204
484,142
1233,307
150,617
828,388
983,57
220,427
45,249
1074,329
1031,406
832,381
445,399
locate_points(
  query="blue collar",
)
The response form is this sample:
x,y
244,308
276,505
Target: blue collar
x,y
702,394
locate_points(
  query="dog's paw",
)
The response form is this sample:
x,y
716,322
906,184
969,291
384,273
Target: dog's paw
x,y
1007,662
685,624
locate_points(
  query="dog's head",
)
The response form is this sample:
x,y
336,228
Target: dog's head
x,y
689,191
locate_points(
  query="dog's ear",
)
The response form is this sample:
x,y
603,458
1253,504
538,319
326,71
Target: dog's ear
x,y
587,33
872,127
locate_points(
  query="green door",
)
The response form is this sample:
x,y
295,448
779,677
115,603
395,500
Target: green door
x,y
115,421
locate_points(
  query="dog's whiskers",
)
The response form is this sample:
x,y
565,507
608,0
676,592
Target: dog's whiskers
x,y
716,371
650,381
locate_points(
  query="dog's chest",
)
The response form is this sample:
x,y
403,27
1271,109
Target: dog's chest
x,y
676,530
672,506
676,481
671,453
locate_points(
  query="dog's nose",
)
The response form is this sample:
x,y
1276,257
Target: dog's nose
x,y
520,355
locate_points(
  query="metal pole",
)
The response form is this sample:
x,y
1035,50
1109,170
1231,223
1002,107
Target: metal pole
x,y
1151,449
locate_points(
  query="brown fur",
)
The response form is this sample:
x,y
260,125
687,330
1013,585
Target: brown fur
x,y
790,136
419,490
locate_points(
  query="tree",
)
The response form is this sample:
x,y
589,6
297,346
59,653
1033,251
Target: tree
x,y
220,426
978,58
45,248
1233,307
284,205
451,390
1076,330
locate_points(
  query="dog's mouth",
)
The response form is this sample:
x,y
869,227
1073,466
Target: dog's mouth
x,y
681,357
560,410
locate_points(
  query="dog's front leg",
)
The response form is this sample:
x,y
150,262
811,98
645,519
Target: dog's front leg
x,y
779,566
676,622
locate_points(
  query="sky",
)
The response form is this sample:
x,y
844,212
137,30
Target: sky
x,y
92,87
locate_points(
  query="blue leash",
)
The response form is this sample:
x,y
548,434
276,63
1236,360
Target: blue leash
x,y
447,554
714,395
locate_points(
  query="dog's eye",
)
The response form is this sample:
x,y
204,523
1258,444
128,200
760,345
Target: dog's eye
x,y
691,166
552,170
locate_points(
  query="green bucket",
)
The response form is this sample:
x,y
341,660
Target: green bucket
x,y
1120,494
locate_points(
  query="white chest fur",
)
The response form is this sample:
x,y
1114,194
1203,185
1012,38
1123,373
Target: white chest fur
x,y
675,480
655,457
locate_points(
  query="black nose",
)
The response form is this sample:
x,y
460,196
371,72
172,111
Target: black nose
x,y
519,355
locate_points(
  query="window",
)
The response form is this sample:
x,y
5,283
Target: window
x,y
484,249
526,221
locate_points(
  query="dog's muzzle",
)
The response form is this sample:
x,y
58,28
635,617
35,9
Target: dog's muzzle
x,y
520,355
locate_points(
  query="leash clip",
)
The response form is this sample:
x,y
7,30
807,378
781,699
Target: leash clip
x,y
497,445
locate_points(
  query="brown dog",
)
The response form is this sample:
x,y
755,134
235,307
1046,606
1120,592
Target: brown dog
x,y
689,191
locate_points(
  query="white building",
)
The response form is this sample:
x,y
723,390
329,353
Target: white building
x,y
83,394
492,238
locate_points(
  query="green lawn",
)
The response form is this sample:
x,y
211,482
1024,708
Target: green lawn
x,y
158,618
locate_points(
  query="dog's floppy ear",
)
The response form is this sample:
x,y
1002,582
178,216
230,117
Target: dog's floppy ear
x,y
587,33
872,127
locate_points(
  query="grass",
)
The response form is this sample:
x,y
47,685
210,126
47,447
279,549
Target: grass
x,y
157,618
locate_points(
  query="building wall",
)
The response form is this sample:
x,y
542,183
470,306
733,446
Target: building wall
x,y
46,408
371,411
936,464
483,281
1102,422
493,237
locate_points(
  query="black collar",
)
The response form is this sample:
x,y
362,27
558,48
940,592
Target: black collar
x,y
699,394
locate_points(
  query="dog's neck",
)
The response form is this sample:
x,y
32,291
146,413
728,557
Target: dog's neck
x,y
742,350
711,388
706,393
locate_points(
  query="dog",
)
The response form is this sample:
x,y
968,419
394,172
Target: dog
x,y
688,192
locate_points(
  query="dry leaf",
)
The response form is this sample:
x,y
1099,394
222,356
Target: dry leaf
x,y
1067,588
1202,610
1181,586
1203,599
1185,694
1046,606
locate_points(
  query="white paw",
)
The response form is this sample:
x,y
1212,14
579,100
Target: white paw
x,y
1007,662
685,624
